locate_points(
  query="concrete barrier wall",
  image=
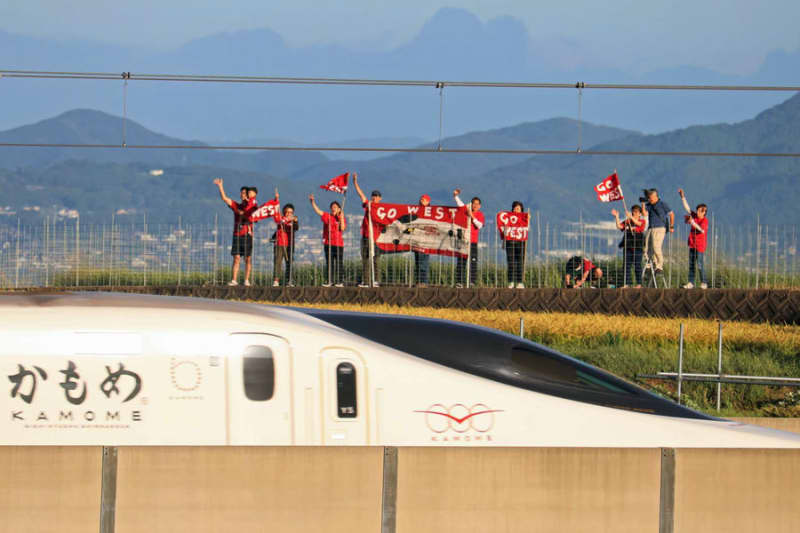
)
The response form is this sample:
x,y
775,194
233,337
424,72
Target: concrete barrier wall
x,y
737,490
297,489
50,489
290,489
528,489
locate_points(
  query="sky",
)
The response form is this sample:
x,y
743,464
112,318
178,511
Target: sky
x,y
729,36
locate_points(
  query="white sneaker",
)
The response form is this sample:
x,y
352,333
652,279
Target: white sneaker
x,y
326,284
233,283
704,285
247,283
376,284
520,285
363,285
339,285
276,283
689,285
459,286
510,285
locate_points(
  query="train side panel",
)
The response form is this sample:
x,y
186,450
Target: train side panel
x,y
112,387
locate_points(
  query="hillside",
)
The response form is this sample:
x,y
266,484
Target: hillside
x,y
454,44
86,126
560,187
735,188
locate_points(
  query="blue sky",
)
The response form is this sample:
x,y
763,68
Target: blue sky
x,y
730,36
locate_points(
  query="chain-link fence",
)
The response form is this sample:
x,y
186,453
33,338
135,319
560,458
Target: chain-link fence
x,y
65,253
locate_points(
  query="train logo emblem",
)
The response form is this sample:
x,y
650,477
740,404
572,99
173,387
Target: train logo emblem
x,y
459,418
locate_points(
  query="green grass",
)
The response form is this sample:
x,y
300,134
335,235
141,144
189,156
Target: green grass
x,y
630,358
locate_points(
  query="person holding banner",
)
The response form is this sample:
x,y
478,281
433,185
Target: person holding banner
x,y
698,221
513,227
476,223
370,231
284,244
242,244
333,224
421,259
632,244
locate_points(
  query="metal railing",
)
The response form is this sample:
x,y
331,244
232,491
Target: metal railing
x,y
66,252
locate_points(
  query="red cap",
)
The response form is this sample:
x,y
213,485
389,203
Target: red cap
x,y
425,198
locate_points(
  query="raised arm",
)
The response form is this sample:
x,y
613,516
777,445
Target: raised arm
x,y
358,189
459,203
317,210
685,202
218,183
616,218
342,221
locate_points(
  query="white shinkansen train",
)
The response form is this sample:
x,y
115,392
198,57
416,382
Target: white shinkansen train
x,y
115,369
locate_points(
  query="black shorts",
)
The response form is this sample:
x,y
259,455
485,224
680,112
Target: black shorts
x,y
242,245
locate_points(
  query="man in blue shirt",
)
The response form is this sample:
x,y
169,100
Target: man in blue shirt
x,y
660,218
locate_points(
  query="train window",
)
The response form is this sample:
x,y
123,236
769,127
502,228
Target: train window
x,y
258,373
557,371
346,391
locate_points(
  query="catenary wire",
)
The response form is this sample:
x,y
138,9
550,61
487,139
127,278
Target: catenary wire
x,y
364,81
374,82
404,150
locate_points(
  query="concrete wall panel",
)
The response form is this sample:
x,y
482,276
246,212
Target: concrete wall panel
x,y
737,490
278,489
50,488
528,490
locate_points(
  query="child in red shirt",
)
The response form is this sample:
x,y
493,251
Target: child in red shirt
x,y
698,234
242,244
284,244
333,224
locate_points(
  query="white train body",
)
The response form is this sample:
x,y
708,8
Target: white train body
x,y
110,369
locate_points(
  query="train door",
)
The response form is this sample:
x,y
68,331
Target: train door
x,y
259,390
344,390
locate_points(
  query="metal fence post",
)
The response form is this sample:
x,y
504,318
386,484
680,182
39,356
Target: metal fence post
x,y
719,366
680,363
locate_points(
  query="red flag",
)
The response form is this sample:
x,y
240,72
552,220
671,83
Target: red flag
x,y
609,190
337,184
266,210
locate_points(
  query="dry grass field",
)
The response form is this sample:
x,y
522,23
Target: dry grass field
x,y
589,327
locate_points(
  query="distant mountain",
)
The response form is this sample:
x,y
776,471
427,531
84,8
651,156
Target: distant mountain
x,y
438,173
736,189
85,126
559,187
453,45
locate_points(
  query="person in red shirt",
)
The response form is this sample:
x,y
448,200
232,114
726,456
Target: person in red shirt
x,y
242,244
333,224
698,233
421,259
579,270
368,237
632,244
284,244
476,223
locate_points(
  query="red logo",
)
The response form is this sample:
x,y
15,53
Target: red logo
x,y
459,418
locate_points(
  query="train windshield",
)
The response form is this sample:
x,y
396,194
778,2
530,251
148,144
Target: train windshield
x,y
504,358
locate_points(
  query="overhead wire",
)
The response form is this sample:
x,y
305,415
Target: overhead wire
x,y
580,85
